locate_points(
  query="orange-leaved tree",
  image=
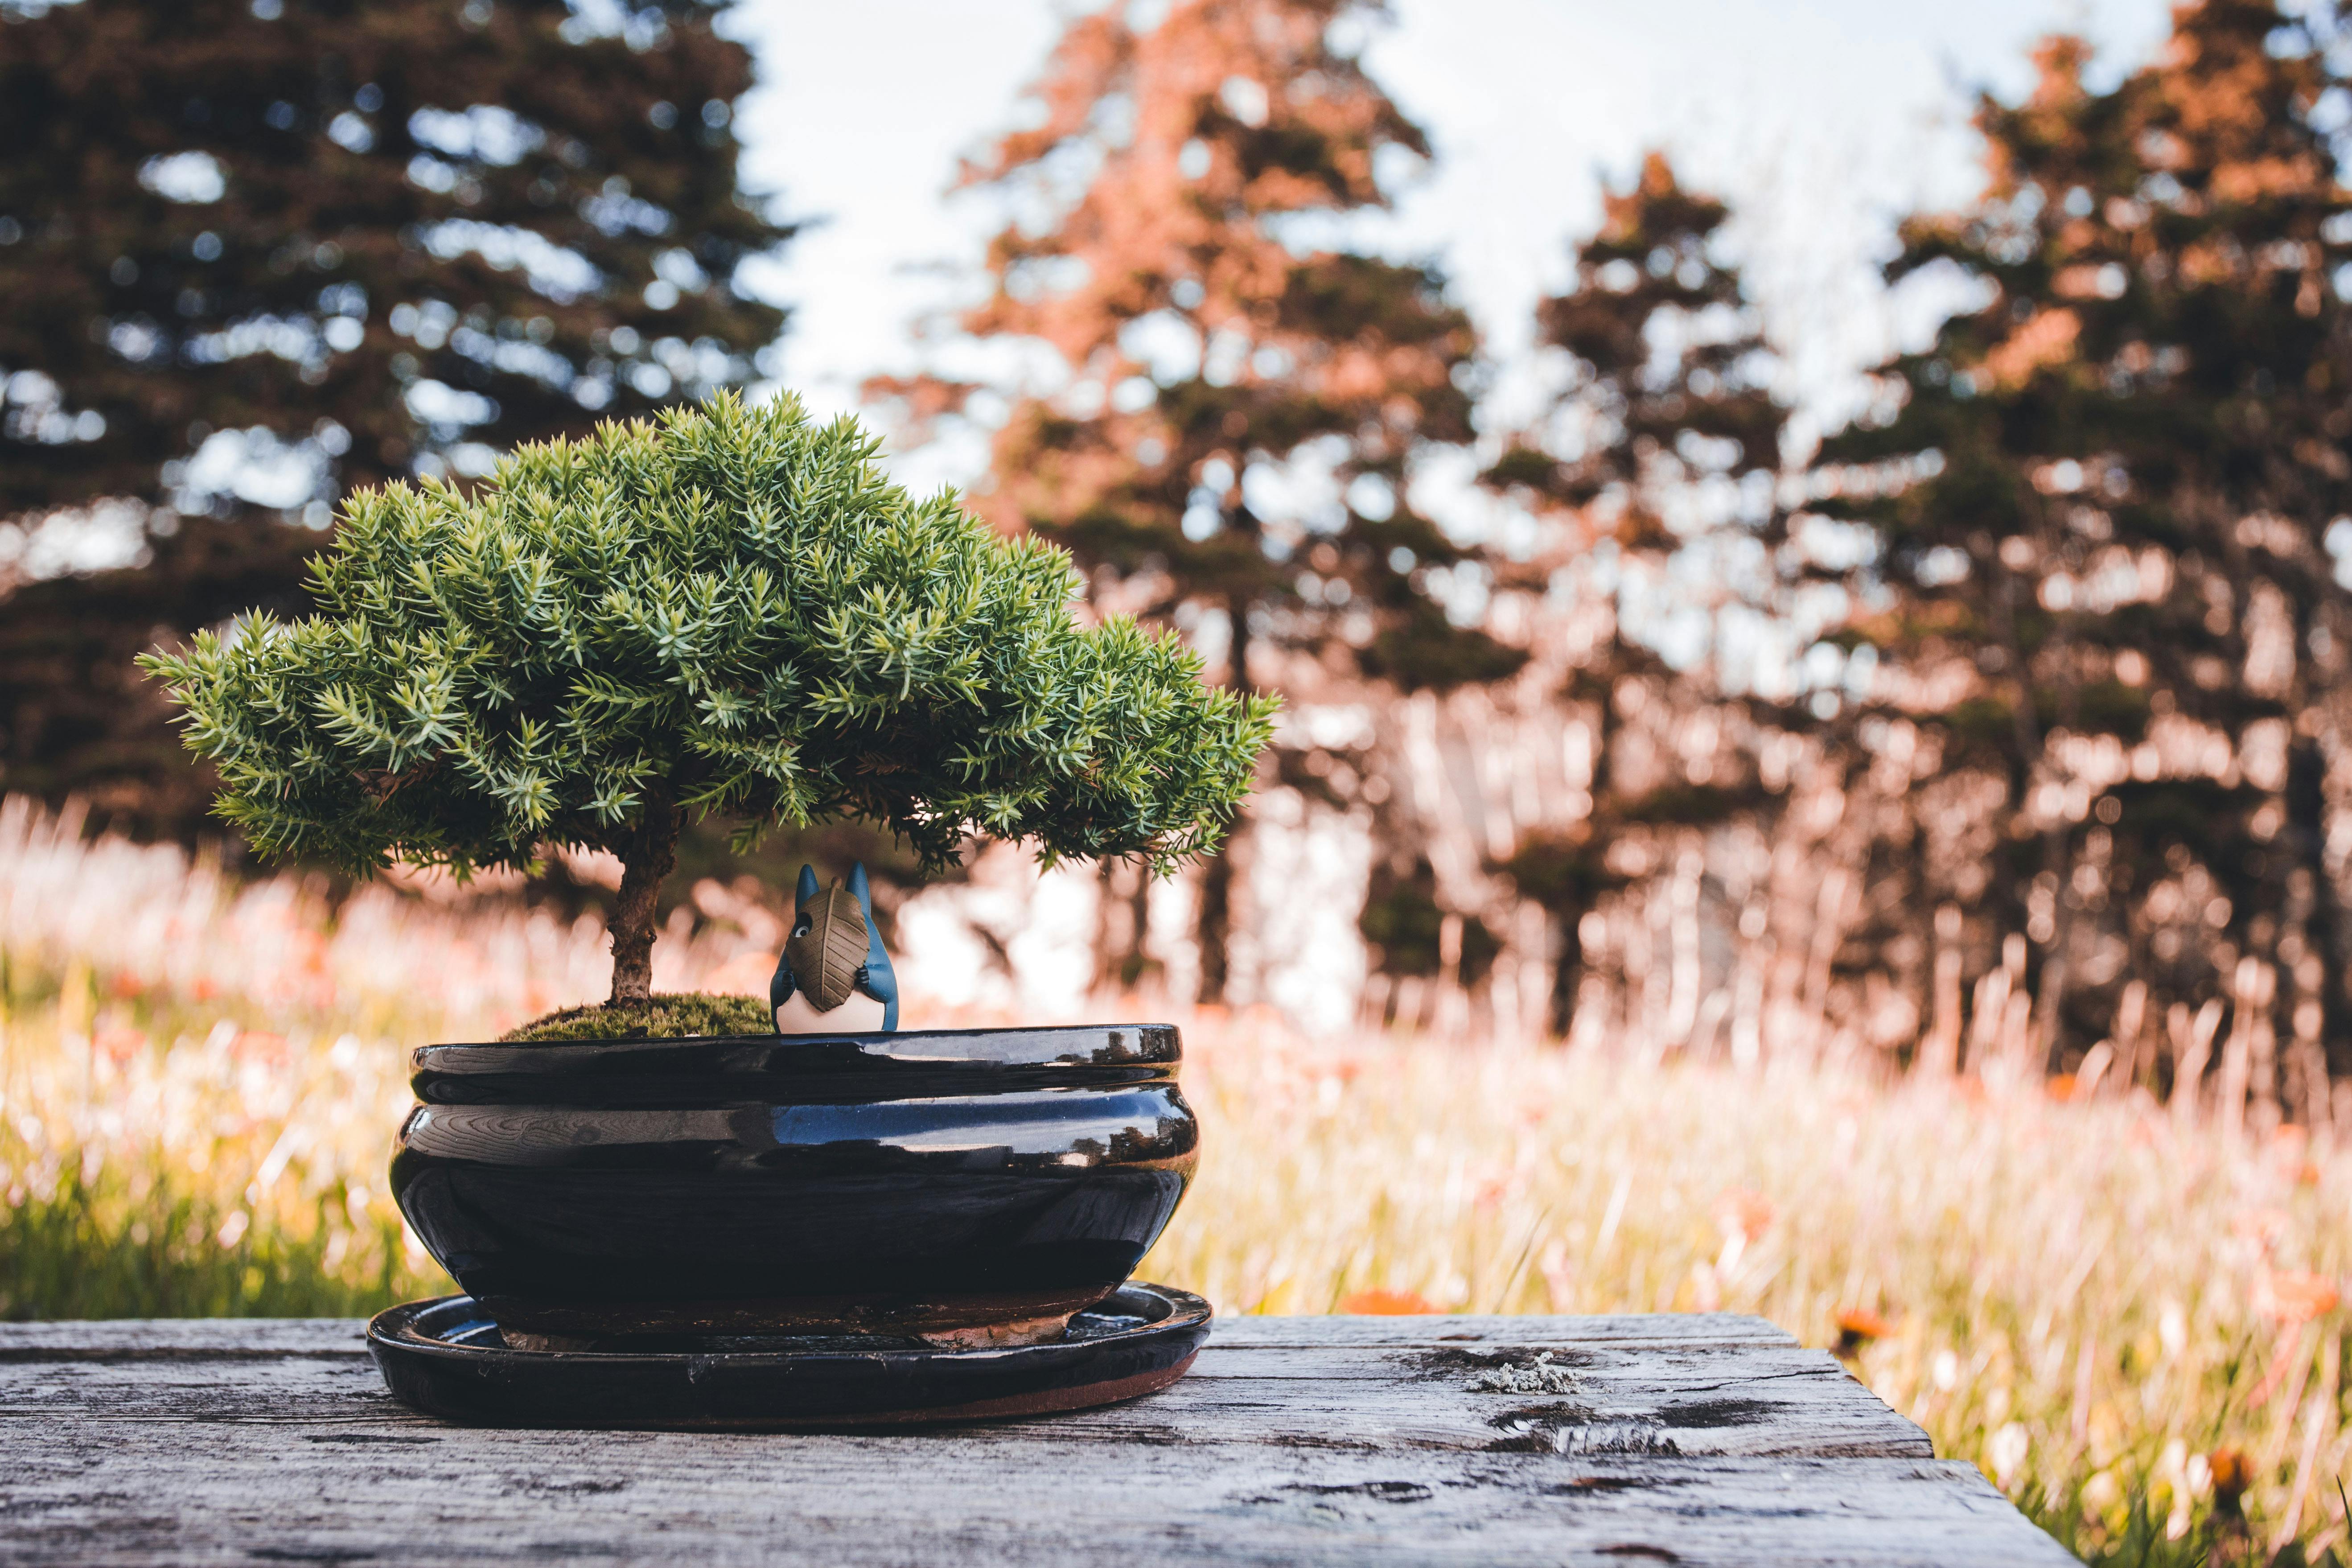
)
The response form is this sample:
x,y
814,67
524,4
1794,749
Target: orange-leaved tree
x,y
1242,390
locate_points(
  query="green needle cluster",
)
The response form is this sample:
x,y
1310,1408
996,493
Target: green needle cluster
x,y
727,612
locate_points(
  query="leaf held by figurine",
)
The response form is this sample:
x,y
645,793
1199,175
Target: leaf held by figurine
x,y
834,960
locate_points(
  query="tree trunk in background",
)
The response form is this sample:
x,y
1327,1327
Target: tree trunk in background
x,y
2328,934
1122,927
1568,968
1217,927
1215,931
651,855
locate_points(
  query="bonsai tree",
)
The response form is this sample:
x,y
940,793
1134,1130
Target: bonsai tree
x,y
727,612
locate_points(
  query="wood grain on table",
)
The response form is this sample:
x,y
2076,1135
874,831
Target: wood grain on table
x,y
1664,1438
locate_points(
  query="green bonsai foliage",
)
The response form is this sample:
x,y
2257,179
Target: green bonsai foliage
x,y
728,612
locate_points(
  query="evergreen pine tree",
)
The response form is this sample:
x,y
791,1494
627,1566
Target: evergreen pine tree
x,y
1662,432
2105,510
1160,250
728,613
344,243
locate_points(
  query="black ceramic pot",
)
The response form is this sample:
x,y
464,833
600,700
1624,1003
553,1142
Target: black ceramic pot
x,y
923,1182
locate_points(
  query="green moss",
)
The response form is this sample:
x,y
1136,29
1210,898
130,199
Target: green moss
x,y
661,1018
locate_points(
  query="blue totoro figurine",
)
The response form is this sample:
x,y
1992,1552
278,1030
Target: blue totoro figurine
x,y
833,976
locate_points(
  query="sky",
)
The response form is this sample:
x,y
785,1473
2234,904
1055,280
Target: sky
x,y
1821,120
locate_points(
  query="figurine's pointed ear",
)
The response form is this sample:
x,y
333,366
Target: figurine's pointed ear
x,y
806,891
858,891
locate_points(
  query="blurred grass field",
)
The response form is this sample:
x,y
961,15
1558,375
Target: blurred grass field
x,y
2131,1322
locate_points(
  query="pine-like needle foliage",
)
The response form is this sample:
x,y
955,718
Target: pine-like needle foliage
x,y
727,612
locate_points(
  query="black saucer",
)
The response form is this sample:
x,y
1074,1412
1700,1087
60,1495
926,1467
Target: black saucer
x,y
446,1358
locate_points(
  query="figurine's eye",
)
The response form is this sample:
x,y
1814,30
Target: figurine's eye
x,y
801,928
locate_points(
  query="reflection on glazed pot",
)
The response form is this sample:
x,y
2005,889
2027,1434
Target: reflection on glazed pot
x,y
914,1183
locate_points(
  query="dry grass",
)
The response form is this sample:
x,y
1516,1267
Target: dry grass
x,y
2086,1300
2090,1300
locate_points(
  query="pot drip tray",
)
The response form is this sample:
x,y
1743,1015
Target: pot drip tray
x,y
446,1357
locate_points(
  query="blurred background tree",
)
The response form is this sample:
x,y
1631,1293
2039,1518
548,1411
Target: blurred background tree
x,y
1662,434
2105,501
257,252
1241,394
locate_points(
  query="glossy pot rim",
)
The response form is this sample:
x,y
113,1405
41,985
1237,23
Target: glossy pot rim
x,y
1051,1048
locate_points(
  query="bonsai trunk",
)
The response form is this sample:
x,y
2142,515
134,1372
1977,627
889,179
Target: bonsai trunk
x,y
646,860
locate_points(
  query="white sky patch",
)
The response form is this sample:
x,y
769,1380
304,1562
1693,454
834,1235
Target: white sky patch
x,y
487,133
438,403
33,408
1303,491
559,273
100,537
255,466
294,339
194,177
2340,548
1167,345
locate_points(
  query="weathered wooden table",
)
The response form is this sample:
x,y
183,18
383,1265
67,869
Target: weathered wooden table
x,y
1357,1440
